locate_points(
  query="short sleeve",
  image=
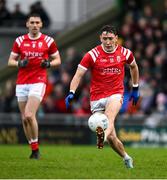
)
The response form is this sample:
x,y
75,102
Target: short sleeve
x,y
87,61
130,57
53,49
15,49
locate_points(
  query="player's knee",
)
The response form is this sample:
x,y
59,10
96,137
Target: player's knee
x,y
24,121
28,116
111,138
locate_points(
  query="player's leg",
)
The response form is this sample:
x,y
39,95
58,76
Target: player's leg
x,y
35,95
30,116
22,97
25,123
112,108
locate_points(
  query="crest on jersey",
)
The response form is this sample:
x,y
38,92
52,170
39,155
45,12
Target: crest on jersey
x,y
118,58
40,44
33,44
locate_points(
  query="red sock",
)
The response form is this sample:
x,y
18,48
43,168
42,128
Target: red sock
x,y
34,146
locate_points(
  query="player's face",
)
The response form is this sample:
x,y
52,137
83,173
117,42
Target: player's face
x,y
34,25
109,41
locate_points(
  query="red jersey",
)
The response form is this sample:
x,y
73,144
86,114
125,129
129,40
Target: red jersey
x,y
34,50
107,70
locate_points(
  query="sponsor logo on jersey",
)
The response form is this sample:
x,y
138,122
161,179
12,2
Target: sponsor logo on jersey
x,y
26,45
109,70
103,60
33,54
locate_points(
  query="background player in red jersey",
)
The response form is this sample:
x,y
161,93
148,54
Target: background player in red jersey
x,y
30,54
106,63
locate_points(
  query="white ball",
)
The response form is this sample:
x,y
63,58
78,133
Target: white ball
x,y
98,119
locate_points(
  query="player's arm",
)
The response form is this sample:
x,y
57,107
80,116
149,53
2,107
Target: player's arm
x,y
74,85
13,60
134,71
55,60
54,56
85,63
14,57
76,79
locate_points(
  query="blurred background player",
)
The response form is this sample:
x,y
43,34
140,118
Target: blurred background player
x,y
106,62
30,54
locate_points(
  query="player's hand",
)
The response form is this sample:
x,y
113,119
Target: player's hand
x,y
68,99
134,95
45,63
22,63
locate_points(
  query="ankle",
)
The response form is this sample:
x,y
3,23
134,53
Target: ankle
x,y
126,156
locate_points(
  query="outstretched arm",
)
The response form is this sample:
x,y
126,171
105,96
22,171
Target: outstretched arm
x,y
74,85
76,79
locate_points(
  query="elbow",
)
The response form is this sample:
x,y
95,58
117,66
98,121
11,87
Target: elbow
x,y
9,64
55,63
134,68
59,63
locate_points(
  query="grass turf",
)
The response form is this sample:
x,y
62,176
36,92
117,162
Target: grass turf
x,y
80,162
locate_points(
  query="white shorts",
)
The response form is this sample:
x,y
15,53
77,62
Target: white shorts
x,y
23,91
100,104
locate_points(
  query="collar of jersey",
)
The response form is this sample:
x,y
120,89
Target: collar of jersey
x,y
39,35
111,51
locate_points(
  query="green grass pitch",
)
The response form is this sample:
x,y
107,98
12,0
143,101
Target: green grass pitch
x,y
80,162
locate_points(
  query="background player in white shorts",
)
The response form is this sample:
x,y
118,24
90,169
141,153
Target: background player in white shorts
x,y
30,54
106,63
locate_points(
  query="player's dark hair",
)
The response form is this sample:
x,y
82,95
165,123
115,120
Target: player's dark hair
x,y
33,15
108,28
